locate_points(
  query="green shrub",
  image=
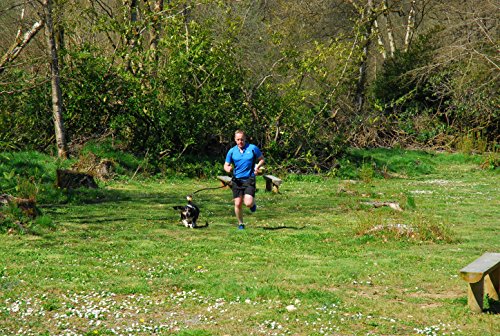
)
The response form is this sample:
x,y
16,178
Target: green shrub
x,y
30,175
24,122
192,167
10,216
430,229
44,221
124,163
491,161
14,219
397,91
366,172
410,201
472,142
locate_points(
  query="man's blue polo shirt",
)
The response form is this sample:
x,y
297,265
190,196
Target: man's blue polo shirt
x,y
243,162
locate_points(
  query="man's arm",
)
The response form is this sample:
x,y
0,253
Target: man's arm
x,y
259,164
227,167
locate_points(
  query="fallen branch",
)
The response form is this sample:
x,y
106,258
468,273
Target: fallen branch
x,y
392,205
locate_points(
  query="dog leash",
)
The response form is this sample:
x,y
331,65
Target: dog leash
x,y
208,188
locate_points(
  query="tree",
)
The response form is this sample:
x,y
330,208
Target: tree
x,y
176,77
57,101
20,43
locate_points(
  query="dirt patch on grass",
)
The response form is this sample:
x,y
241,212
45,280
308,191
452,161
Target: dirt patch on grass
x,y
439,296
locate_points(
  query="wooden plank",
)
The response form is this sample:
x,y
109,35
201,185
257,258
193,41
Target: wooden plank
x,y
226,180
275,180
492,284
272,183
475,296
483,265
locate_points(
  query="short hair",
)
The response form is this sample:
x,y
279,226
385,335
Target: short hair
x,y
240,132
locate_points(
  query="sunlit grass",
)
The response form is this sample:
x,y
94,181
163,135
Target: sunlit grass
x,y
305,265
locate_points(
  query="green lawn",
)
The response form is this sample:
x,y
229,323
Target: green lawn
x,y
311,261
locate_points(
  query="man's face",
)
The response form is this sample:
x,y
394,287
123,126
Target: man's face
x,y
240,140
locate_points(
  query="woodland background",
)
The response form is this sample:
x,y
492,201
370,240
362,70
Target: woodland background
x,y
172,80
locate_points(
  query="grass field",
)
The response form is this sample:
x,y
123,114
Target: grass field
x,y
314,259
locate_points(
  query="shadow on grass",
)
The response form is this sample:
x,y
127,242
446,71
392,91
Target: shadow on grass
x,y
281,228
494,306
204,226
104,207
94,220
84,196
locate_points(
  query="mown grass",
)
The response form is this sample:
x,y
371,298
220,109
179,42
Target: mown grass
x,y
119,262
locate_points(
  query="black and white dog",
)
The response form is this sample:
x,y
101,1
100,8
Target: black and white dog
x,y
189,213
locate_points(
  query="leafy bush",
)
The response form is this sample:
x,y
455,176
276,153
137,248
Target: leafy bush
x,y
491,161
192,167
27,174
311,178
14,219
366,172
123,163
11,219
472,142
470,98
25,120
400,93
433,101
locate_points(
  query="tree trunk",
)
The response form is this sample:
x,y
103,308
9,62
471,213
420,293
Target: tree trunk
x,y
186,13
62,148
380,41
390,34
155,34
367,21
410,26
132,35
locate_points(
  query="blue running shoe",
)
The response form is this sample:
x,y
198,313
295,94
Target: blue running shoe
x,y
241,227
253,208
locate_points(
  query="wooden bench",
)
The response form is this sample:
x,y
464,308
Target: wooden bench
x,y
483,275
226,181
272,183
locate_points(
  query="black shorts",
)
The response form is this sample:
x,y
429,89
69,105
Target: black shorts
x,y
243,187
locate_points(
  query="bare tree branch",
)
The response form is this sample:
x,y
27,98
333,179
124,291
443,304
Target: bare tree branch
x,y
20,44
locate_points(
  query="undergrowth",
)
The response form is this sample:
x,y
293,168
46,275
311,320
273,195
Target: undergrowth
x,y
14,220
412,226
